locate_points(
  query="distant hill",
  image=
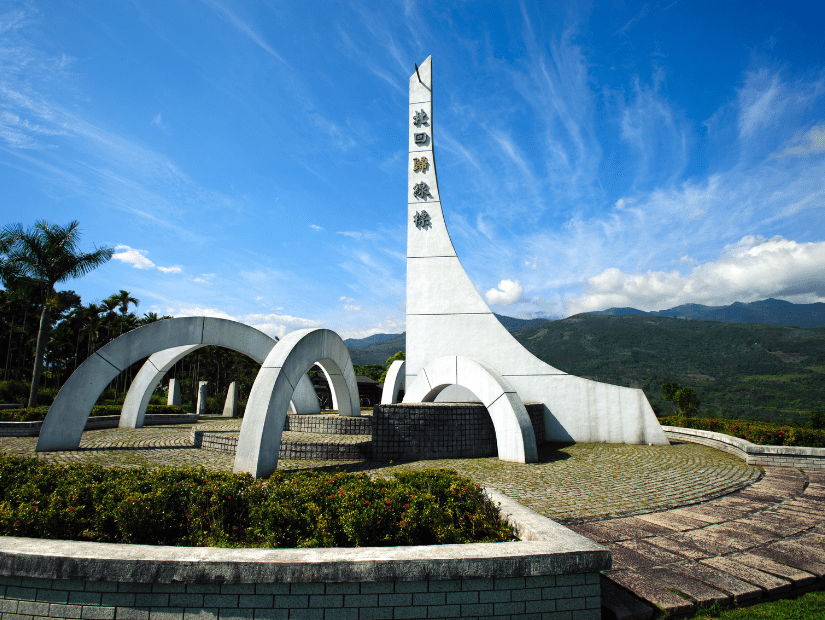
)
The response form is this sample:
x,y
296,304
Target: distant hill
x,y
753,371
768,311
376,349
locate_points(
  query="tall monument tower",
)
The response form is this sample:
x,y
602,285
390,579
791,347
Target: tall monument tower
x,y
446,316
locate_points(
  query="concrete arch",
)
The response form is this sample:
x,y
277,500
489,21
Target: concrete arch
x,y
393,382
64,424
263,424
151,373
514,432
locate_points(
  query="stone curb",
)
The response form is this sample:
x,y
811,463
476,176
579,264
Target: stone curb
x,y
549,549
752,454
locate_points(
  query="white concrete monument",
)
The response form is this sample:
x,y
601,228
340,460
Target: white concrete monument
x,y
446,316
173,398
200,408
230,407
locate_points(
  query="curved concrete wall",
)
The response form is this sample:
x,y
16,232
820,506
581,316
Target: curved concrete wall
x,y
393,382
266,408
447,316
64,424
514,432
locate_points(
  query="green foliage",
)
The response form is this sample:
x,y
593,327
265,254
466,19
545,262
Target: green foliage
x,y
194,507
816,419
761,433
33,414
669,390
687,401
373,371
751,371
400,356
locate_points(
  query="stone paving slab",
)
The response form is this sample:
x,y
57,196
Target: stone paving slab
x,y
730,548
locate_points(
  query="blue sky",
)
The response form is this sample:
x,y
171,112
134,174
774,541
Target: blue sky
x,y
247,159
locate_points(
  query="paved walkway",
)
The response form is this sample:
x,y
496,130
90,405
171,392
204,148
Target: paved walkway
x,y
687,524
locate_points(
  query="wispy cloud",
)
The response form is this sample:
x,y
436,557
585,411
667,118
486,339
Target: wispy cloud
x,y
247,30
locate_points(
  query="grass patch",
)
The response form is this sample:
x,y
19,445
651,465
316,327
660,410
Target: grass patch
x,y
804,607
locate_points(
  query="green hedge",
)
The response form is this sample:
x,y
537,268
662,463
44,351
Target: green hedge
x,y
39,413
761,433
195,507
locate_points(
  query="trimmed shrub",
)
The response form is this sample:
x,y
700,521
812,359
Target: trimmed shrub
x,y
39,413
761,433
194,507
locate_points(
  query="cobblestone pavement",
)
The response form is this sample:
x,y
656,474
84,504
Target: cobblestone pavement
x,y
687,525
569,483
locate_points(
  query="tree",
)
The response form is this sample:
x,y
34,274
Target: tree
x,y
687,401
398,356
48,253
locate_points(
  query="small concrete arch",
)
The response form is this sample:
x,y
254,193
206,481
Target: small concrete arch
x,y
514,432
393,382
64,424
263,424
158,364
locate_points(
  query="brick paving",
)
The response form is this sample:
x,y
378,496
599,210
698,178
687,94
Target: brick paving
x,y
687,525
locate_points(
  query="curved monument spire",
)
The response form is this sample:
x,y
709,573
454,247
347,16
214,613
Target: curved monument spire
x,y
447,316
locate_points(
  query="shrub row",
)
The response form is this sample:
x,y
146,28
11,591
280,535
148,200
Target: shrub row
x,y
195,507
761,433
39,413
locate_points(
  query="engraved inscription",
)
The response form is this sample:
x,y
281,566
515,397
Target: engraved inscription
x,y
421,138
422,220
421,191
420,164
421,118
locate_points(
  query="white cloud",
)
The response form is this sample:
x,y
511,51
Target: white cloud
x,y
812,141
276,325
316,228
508,292
138,260
204,278
753,268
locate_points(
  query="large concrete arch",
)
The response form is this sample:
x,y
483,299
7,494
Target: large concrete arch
x,y
143,385
64,424
515,438
393,382
447,316
263,424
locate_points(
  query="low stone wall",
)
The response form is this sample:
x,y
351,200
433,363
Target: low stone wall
x,y
752,454
440,430
551,570
227,442
32,429
329,424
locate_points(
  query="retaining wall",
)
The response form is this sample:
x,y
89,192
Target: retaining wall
x,y
752,454
327,423
32,429
227,442
440,430
552,570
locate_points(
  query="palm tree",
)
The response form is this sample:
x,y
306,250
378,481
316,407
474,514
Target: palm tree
x,y
48,253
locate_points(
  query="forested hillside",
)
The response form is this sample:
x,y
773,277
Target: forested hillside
x,y
749,371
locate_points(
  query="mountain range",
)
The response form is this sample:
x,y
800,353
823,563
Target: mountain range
x,y
768,311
